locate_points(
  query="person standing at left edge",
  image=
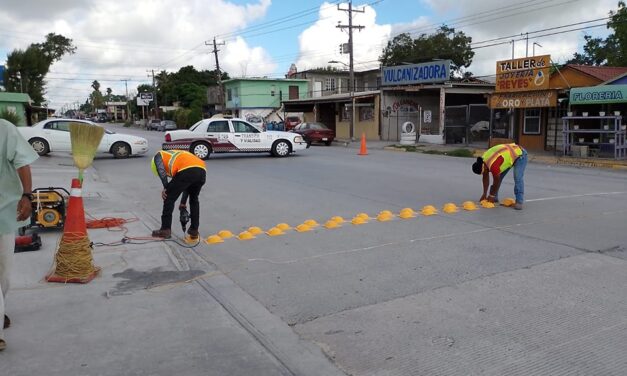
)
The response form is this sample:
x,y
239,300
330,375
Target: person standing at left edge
x,y
15,193
498,160
188,174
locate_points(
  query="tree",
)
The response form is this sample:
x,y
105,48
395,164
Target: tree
x,y
444,44
95,98
26,69
610,51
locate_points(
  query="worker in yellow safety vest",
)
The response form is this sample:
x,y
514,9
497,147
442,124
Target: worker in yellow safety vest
x,y
498,160
188,174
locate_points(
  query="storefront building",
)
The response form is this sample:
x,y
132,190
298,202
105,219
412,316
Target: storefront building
x,y
442,109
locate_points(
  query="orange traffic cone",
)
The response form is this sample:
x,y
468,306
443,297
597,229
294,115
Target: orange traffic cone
x,y
73,260
363,150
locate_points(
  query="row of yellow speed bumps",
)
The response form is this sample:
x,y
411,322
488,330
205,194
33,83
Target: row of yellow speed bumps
x,y
359,219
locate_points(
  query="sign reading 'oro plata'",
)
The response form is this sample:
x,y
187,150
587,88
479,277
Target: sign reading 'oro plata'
x,y
525,74
531,99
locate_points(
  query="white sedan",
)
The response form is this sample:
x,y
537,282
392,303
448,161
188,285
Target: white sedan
x,y
232,136
54,135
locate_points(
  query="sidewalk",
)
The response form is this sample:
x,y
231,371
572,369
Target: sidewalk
x,y
538,157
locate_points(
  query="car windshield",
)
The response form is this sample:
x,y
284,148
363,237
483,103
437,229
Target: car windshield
x,y
317,126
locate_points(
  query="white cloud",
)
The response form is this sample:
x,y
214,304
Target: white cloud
x,y
320,42
118,39
240,60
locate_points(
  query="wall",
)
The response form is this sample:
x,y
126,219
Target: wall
x,y
571,78
369,127
258,93
400,106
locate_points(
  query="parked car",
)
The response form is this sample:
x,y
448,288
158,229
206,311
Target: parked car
x,y
54,135
315,132
153,125
291,122
232,136
166,125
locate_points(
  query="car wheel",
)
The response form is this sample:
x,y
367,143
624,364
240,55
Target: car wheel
x,y
40,146
201,149
328,142
281,148
121,150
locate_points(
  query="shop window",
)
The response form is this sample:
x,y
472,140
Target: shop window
x,y
532,121
229,95
366,113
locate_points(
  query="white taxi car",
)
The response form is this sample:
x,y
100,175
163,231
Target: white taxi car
x,y
52,135
232,136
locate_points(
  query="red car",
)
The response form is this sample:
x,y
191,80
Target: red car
x,y
315,132
291,122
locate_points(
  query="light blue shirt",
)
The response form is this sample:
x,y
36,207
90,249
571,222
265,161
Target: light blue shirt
x,y
15,152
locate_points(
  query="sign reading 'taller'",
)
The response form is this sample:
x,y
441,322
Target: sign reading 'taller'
x,y
525,74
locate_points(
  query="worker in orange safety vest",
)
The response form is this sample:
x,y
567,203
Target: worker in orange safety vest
x,y
498,160
188,174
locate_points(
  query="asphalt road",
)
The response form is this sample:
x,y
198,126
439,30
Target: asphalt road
x,y
493,291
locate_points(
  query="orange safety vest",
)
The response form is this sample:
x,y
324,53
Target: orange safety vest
x,y
509,152
179,160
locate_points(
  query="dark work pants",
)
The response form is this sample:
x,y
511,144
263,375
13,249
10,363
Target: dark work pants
x,y
190,181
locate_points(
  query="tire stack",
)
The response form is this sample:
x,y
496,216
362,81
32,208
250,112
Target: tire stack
x,y
408,133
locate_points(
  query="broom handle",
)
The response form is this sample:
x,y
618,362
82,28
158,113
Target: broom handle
x,y
80,175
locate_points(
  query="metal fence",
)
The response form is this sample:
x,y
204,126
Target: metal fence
x,y
466,124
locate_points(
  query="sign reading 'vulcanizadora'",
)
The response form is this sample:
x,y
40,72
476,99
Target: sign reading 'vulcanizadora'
x,y
432,72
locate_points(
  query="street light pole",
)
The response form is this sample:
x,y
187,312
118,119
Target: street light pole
x,y
534,47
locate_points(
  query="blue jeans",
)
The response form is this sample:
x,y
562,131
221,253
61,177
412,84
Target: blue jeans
x,y
519,177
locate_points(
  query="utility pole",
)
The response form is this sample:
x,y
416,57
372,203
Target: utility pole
x,y
351,79
215,53
154,93
128,107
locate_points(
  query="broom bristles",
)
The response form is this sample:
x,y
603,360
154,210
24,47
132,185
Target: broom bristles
x,y
85,140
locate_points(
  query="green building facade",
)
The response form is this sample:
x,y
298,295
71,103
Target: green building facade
x,y
262,93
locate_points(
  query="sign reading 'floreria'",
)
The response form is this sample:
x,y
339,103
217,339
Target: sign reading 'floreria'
x,y
599,94
425,73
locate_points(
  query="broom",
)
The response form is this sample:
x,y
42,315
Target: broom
x,y
85,140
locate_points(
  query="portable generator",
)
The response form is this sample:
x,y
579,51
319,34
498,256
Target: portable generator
x,y
48,208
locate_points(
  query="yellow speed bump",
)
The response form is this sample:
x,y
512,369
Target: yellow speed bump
x,y
450,208
386,212
358,220
303,228
191,241
255,230
429,210
469,205
384,217
487,204
214,239
407,213
274,231
331,224
508,202
245,235
363,216
311,223
225,234
283,226
338,219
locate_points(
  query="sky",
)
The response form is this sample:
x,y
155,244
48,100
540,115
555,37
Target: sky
x,y
121,42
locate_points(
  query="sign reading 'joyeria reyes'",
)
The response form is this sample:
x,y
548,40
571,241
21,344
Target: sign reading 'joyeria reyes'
x,y
525,74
